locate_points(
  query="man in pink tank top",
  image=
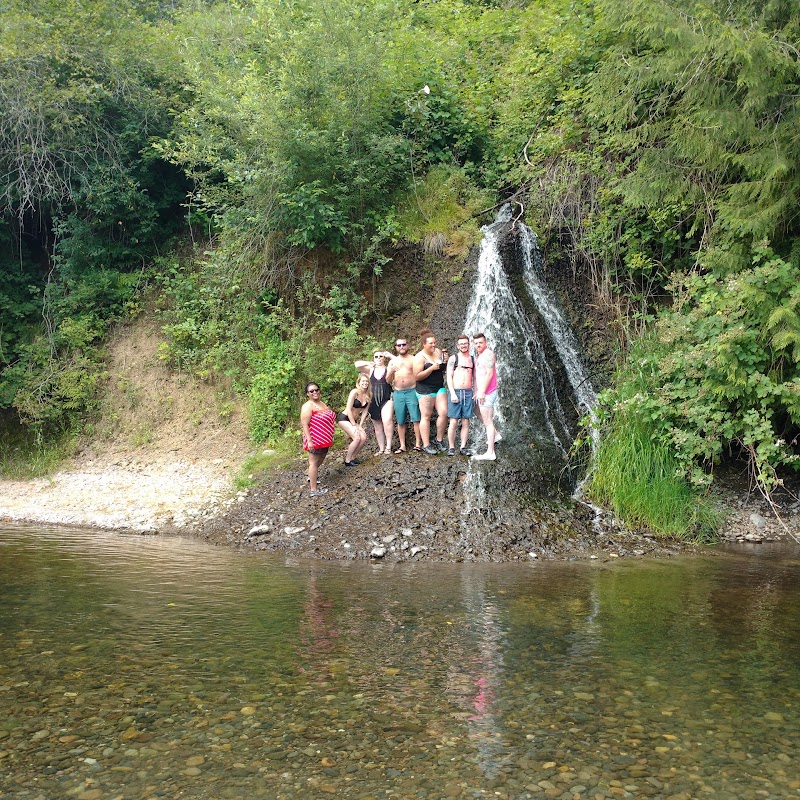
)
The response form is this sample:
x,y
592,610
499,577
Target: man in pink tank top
x,y
485,393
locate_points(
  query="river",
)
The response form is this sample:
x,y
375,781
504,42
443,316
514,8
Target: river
x,y
146,667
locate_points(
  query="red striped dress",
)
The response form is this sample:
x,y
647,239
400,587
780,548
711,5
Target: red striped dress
x,y
322,425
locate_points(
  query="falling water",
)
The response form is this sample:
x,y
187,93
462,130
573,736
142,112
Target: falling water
x,y
530,403
560,331
566,346
529,411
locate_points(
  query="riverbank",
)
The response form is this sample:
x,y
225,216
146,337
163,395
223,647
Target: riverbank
x,y
398,508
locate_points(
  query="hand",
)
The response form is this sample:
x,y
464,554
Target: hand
x,y
454,397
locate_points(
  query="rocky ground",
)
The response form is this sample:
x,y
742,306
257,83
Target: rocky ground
x,y
400,508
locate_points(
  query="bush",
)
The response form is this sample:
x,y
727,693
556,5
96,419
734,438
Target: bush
x,y
638,477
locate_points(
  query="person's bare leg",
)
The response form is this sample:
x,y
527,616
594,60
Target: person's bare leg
x,y
451,433
401,436
487,417
417,435
490,430
361,440
388,426
380,436
441,420
464,433
314,462
425,413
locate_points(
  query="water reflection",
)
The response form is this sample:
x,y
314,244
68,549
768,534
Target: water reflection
x,y
143,667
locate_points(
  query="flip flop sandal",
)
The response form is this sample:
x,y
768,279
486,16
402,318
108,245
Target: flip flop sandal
x,y
399,450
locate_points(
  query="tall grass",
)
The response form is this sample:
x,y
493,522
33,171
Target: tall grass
x,y
24,455
639,479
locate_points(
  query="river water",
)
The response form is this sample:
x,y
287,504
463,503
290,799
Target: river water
x,y
141,668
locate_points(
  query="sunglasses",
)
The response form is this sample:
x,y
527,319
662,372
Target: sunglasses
x,y
313,391
401,344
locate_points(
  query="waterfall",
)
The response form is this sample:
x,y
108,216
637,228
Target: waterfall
x,y
560,331
535,421
529,404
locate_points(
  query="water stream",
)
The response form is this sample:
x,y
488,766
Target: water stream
x,y
142,668
532,340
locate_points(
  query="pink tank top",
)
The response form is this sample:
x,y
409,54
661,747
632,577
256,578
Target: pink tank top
x,y
492,387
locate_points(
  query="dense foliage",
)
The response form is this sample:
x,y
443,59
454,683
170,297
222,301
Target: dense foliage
x,y
250,163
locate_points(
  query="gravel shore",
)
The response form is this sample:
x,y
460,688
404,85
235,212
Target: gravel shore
x,y
400,508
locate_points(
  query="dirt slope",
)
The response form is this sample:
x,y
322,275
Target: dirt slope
x,y
163,454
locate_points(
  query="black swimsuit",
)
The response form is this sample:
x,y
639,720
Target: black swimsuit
x,y
381,394
342,415
433,383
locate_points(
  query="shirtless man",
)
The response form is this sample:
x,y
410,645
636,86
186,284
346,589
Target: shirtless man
x,y
486,393
401,376
460,372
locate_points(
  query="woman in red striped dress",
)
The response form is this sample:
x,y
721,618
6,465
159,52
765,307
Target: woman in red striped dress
x,y
318,422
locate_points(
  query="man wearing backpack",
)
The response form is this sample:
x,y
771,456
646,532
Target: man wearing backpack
x,y
460,382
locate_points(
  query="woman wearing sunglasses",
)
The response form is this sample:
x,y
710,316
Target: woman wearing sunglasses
x,y
318,422
381,407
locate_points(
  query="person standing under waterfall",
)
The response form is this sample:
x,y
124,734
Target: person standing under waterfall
x,y
486,393
429,369
460,380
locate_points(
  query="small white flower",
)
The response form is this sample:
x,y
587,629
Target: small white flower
x,y
426,89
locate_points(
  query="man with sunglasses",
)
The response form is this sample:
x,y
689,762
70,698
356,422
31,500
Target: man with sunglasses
x,y
401,376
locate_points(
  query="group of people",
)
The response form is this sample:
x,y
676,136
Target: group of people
x,y
410,387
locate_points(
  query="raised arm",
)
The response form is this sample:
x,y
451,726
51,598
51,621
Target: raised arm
x,y
394,364
420,371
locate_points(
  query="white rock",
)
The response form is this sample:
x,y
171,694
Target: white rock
x,y
259,529
377,552
289,531
758,521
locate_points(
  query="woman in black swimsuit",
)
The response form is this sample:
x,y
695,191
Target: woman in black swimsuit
x,y
382,406
357,404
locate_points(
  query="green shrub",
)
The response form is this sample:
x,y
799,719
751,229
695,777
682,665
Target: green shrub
x,y
641,480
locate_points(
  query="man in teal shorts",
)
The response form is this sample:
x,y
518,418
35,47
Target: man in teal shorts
x,y
401,376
